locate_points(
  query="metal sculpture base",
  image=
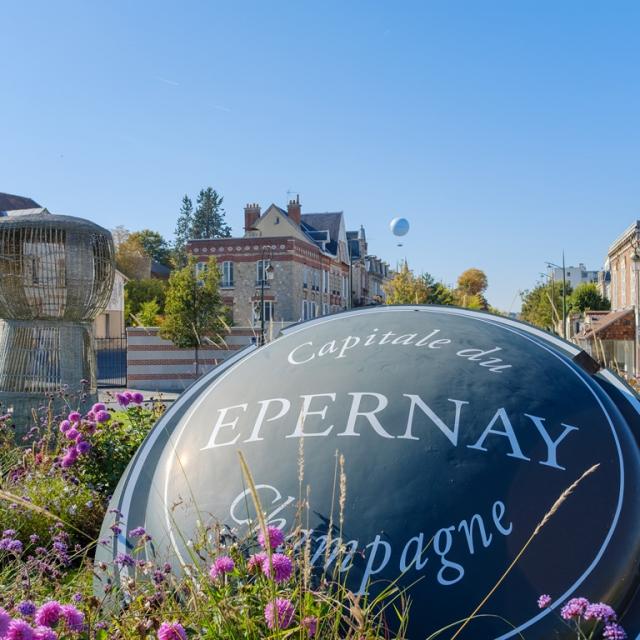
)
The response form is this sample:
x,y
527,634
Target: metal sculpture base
x,y
41,360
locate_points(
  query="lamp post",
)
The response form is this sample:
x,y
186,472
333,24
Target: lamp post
x,y
635,258
564,293
266,273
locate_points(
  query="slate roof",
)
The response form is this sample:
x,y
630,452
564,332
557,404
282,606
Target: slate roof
x,y
9,202
313,223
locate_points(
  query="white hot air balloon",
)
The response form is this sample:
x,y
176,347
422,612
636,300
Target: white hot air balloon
x,y
399,226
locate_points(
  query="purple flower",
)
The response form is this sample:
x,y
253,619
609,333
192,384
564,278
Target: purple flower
x,y
83,447
44,633
26,608
220,566
5,618
98,406
600,611
74,416
311,625
34,537
125,560
65,425
256,561
49,614
614,631
137,398
103,416
15,546
73,617
8,533
171,631
279,613
574,608
281,566
137,532
19,630
544,601
122,399
276,537
72,433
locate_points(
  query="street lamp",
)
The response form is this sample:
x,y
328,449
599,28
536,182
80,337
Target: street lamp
x,y
266,273
564,294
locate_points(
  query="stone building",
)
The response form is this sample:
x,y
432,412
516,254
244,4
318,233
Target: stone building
x,y
368,272
311,259
611,338
309,264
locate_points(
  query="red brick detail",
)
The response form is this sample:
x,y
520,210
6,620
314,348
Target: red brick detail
x,y
171,347
161,376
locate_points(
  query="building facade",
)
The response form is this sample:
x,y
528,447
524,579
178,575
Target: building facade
x,y
574,275
301,265
111,322
298,264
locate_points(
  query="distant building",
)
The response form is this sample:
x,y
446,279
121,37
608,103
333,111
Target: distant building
x,y
611,337
574,275
111,322
312,258
11,203
368,272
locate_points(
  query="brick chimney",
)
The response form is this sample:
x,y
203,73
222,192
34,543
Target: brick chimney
x,y
294,210
251,216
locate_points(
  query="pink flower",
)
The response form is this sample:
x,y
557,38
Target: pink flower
x,y
65,425
73,617
44,633
311,624
279,613
275,535
600,611
72,433
614,631
220,566
574,608
544,601
74,416
19,630
103,416
83,447
171,631
281,567
137,398
48,614
5,619
98,406
256,561
122,399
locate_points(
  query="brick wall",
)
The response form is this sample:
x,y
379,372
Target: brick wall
x,y
154,364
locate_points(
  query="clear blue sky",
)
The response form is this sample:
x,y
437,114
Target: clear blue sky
x,y
504,131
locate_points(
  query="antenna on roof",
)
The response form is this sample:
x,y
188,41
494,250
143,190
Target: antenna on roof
x,y
290,193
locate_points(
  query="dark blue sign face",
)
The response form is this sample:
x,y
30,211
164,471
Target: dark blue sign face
x,y
459,431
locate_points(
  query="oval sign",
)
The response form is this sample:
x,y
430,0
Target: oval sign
x,y
459,431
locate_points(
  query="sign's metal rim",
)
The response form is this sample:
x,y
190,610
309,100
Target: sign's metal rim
x,y
533,334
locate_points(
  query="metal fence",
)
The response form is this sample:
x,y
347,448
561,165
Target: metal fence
x,y
111,357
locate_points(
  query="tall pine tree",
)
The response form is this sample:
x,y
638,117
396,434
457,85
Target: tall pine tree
x,y
183,231
208,219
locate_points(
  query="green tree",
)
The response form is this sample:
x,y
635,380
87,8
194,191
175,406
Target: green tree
x,y
154,245
148,315
193,307
542,305
208,219
406,288
131,258
586,297
472,284
437,292
137,292
182,232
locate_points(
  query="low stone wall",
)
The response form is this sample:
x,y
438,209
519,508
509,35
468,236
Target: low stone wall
x,y
154,364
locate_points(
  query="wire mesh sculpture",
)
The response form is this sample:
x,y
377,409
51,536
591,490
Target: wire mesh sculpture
x,y
56,276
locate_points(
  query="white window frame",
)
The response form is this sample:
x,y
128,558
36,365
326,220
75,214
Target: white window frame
x,y
261,267
268,307
227,274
